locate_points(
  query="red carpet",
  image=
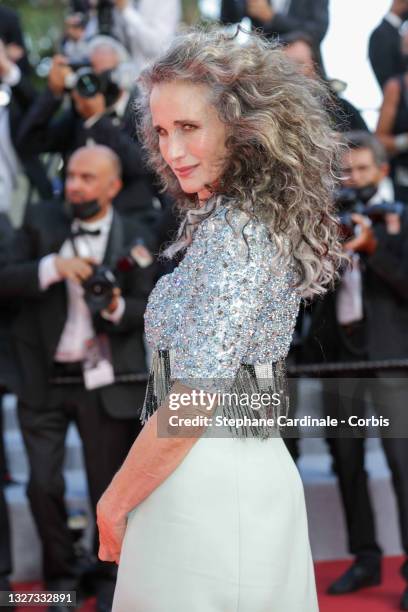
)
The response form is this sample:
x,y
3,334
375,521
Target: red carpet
x,y
383,598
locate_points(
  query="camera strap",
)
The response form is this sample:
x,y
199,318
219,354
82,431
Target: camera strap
x,y
97,365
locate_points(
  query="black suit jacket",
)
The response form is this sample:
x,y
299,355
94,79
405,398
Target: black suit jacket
x,y
23,96
309,16
10,32
384,51
385,303
39,325
45,130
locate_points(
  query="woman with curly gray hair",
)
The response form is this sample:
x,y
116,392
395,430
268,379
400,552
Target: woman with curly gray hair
x,y
207,513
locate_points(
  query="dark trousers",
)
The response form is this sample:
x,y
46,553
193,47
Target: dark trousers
x,y
106,442
3,459
5,550
389,397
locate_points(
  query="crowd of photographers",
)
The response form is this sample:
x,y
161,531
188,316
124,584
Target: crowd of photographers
x,y
75,276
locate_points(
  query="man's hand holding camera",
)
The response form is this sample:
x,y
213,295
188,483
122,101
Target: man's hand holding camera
x,y
115,301
366,241
58,74
57,82
75,269
78,270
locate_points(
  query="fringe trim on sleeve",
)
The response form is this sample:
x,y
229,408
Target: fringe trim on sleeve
x,y
250,379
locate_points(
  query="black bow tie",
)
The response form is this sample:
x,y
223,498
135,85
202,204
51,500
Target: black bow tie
x,y
82,231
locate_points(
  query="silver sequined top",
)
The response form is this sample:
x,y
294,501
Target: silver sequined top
x,y
226,303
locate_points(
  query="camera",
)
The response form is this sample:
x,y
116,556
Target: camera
x,y
88,84
98,288
349,201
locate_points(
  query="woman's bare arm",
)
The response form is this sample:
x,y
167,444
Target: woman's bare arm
x,y
152,458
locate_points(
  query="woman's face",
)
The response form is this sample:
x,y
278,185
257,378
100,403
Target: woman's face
x,y
191,136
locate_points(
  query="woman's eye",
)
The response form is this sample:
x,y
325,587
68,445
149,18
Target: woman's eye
x,y
188,127
161,132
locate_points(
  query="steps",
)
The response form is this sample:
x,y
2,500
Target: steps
x,y
326,525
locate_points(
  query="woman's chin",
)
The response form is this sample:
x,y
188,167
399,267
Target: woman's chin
x,y
189,187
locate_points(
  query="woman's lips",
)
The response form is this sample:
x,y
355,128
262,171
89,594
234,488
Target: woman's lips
x,y
185,171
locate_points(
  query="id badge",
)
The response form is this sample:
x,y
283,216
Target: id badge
x,y
97,365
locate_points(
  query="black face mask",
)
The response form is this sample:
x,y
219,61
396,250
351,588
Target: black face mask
x,y
85,210
364,194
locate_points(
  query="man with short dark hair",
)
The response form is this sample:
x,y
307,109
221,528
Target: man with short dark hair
x,y
385,44
280,17
75,350
106,118
366,319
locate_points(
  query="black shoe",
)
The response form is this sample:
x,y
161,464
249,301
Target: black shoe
x,y
356,577
404,600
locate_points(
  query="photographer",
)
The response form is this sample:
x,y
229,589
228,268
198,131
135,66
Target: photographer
x,y
384,49
279,17
366,319
12,36
144,28
344,116
82,328
74,44
101,112
16,97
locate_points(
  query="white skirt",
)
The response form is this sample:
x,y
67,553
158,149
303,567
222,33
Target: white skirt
x,y
226,532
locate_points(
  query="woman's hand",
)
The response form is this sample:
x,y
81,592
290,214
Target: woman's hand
x,y
111,528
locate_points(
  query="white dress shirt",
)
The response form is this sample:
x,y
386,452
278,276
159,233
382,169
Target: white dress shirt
x,y
9,165
78,325
144,27
150,25
393,20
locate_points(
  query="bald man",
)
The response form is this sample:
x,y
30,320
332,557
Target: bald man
x,y
72,355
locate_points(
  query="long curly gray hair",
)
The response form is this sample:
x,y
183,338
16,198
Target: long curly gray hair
x,y
282,154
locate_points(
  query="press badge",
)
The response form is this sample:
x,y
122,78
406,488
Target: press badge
x,y
97,364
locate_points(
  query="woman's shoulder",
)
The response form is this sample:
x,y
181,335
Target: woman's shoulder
x,y
229,221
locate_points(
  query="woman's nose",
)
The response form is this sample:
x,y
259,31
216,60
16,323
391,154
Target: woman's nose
x,y
176,148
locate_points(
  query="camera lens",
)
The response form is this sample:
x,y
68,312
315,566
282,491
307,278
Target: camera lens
x,y
87,83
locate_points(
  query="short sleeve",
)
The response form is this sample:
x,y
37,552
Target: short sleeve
x,y
230,287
